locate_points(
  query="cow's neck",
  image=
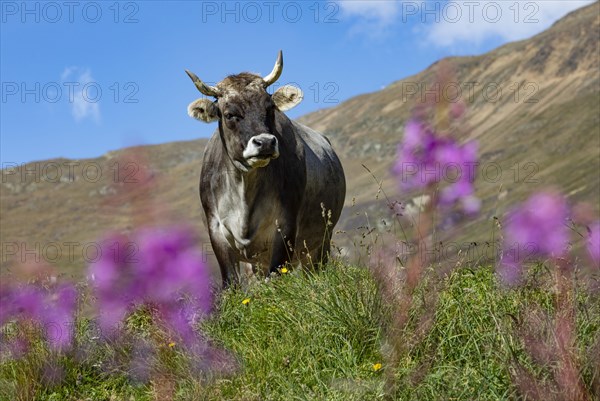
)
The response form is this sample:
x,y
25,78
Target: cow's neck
x,y
247,185
241,212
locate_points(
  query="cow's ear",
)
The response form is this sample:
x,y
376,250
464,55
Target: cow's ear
x,y
203,110
287,97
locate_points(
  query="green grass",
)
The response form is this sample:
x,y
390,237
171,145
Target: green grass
x,y
316,336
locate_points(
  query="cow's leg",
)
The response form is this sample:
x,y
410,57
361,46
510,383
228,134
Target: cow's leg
x,y
228,263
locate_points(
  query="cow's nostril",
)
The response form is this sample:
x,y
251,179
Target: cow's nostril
x,y
257,142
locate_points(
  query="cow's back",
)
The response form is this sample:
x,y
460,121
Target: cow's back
x,y
325,189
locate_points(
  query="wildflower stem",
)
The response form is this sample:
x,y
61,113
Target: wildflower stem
x,y
404,298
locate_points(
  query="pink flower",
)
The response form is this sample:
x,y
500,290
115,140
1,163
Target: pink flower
x,y
416,164
535,229
160,267
540,221
51,308
426,158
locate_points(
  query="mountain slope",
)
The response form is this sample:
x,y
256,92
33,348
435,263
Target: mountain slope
x,y
546,133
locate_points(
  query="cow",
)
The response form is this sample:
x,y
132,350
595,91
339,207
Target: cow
x,y
271,189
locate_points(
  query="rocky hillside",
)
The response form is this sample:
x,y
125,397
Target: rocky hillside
x,y
532,105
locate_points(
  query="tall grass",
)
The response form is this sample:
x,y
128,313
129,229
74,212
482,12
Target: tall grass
x,y
319,336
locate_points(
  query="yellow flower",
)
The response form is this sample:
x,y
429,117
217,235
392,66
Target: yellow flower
x,y
171,344
284,270
246,301
376,367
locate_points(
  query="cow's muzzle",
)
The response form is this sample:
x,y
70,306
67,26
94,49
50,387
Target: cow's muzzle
x,y
261,149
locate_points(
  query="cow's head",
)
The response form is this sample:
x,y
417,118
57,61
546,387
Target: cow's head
x,y
246,114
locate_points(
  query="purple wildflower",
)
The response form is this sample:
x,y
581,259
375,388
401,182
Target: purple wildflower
x,y
415,157
27,302
534,229
462,160
157,267
593,242
540,221
426,158
51,308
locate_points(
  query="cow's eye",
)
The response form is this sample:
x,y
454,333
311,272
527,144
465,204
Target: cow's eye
x,y
231,116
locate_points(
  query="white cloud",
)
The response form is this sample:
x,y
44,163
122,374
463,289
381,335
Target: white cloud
x,y
458,22
472,22
67,72
373,16
83,93
383,11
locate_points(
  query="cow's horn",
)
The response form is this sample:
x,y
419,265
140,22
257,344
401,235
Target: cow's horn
x,y
276,73
202,87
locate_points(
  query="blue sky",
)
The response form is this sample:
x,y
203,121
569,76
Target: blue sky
x,y
82,78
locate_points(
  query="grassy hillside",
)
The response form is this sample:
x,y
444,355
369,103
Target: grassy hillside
x,y
320,336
